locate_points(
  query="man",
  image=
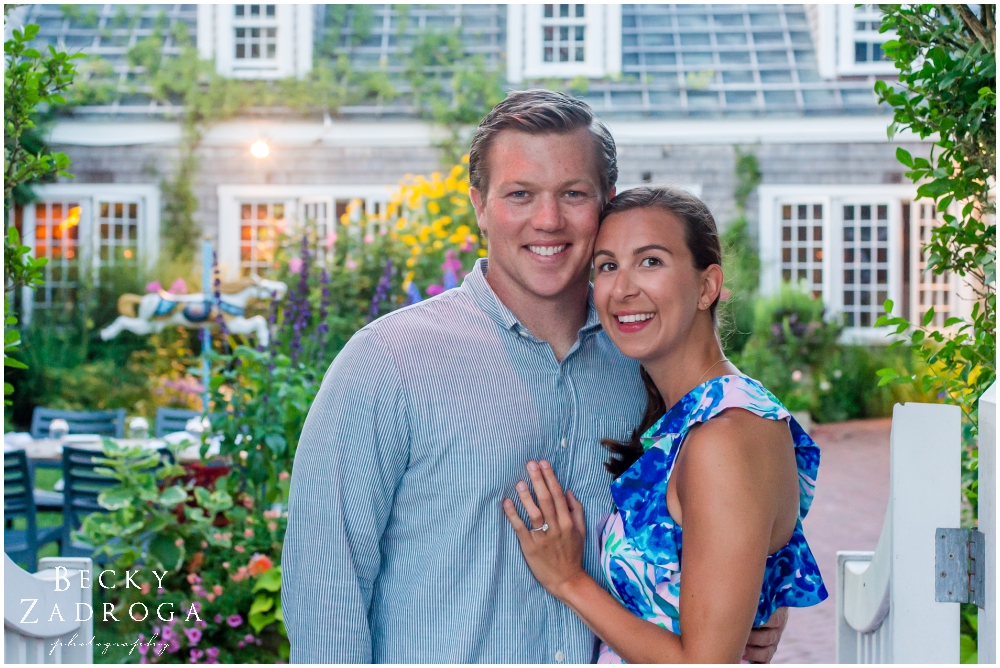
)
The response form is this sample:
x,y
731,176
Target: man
x,y
397,547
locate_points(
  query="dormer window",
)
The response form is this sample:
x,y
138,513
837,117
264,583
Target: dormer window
x,y
257,41
563,40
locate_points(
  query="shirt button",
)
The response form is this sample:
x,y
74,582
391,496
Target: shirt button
x,y
560,657
523,332
563,443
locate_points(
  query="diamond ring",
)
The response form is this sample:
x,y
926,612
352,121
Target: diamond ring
x,y
544,527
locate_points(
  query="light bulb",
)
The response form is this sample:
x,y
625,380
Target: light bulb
x,y
260,149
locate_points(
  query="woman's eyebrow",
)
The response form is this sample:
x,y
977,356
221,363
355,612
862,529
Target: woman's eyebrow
x,y
604,252
650,247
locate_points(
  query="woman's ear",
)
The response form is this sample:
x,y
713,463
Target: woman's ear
x,y
711,285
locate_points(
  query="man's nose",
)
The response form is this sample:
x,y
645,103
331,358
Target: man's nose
x,y
547,217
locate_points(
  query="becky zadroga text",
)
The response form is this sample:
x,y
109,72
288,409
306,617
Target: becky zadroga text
x,y
138,611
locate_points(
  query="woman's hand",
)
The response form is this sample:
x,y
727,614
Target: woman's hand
x,y
553,547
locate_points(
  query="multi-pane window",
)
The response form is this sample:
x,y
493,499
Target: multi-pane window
x,y
867,39
259,228
256,32
118,233
802,245
933,290
865,262
564,33
57,237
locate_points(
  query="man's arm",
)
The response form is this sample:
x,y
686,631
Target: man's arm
x,y
352,453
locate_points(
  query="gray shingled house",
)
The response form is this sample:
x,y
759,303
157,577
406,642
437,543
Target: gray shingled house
x,y
680,86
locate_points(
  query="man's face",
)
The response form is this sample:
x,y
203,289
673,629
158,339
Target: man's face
x,y
540,214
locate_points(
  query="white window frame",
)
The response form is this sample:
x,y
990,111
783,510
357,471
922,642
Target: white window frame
x,y
89,195
295,199
848,34
602,40
217,39
833,198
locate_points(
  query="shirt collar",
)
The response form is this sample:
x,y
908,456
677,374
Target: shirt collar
x,y
475,282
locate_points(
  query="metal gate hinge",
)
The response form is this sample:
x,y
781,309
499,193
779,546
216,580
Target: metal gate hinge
x,y
960,566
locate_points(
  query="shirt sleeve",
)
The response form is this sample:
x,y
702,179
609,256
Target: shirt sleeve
x,y
352,453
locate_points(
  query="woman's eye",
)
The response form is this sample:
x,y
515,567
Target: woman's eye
x,y
607,266
650,262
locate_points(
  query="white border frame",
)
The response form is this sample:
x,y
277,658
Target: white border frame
x,y
228,242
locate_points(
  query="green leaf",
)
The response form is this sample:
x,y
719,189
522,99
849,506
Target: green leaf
x,y
928,317
904,157
277,443
115,498
166,551
262,603
172,496
269,580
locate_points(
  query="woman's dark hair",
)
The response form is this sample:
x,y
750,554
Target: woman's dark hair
x,y
702,239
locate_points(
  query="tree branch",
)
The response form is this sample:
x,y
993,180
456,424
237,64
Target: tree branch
x,y
973,24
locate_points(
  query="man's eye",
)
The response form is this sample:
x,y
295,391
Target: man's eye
x,y
650,262
575,193
519,193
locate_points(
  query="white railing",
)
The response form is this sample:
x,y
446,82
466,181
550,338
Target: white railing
x,y
33,605
988,521
886,609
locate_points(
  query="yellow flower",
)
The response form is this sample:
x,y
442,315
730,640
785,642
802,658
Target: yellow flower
x,y
465,159
462,230
411,261
409,239
457,170
440,234
433,207
415,250
482,252
401,224
438,245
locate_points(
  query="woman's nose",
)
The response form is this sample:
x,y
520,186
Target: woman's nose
x,y
623,287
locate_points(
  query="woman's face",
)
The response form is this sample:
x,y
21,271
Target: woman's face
x,y
646,288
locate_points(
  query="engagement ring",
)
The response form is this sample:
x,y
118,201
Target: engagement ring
x,y
544,527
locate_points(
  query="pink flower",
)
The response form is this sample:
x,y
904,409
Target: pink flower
x,y
725,294
217,589
331,238
295,265
218,619
178,287
240,549
247,502
225,564
351,264
153,286
450,262
204,544
210,597
434,290
145,588
193,636
271,514
193,578
179,542
260,563
196,654
284,475
241,644
369,238
212,652
234,620
248,533
249,637
273,526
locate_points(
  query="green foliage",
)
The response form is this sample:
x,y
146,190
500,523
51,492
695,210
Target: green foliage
x,y
741,261
946,58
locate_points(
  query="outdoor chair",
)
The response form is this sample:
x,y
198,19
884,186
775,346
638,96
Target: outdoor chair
x,y
172,419
19,503
81,488
105,423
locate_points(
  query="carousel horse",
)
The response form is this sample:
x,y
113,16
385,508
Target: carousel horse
x,y
158,310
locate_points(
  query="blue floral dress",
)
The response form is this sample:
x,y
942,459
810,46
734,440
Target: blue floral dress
x,y
642,544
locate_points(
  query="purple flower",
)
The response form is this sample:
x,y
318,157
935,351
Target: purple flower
x,y
241,644
193,635
248,637
381,289
234,620
196,654
218,619
412,294
212,652
433,290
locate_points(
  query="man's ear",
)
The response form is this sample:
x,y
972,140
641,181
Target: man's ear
x,y
479,206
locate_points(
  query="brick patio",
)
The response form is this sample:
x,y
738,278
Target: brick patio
x,y
851,494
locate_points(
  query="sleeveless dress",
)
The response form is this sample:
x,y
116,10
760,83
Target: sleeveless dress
x,y
641,556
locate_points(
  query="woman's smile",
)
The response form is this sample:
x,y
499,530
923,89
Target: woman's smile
x,y
630,322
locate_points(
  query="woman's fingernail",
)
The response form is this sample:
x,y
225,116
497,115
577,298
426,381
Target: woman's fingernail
x,y
522,487
545,464
532,466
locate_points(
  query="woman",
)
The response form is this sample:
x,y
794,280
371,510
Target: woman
x,y
739,486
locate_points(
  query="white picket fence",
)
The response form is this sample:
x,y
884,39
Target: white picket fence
x,y
33,605
886,607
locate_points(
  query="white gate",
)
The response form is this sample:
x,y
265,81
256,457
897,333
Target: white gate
x,y
40,614
887,610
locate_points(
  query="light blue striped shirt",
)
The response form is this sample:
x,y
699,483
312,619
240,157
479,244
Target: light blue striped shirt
x,y
397,547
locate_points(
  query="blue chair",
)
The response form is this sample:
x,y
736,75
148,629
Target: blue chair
x,y
82,485
105,423
19,503
172,419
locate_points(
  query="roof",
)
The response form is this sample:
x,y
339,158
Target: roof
x,y
677,60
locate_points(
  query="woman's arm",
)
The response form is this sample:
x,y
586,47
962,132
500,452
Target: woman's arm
x,y
729,512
